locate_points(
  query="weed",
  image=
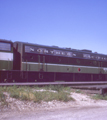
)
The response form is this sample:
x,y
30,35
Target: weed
x,y
78,91
2,96
30,93
99,97
14,95
3,99
49,96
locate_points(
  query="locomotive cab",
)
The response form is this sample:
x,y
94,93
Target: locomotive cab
x,y
6,60
6,55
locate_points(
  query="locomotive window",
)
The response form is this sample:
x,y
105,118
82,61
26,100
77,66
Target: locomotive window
x,y
87,56
5,46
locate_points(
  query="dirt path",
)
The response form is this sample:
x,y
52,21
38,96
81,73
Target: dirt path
x,y
76,113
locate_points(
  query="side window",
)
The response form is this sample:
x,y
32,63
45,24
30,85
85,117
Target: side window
x,y
5,46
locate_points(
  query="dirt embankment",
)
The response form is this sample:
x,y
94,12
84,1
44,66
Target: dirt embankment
x,y
24,109
80,99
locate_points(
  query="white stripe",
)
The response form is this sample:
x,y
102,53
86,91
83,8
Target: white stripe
x,y
6,56
62,65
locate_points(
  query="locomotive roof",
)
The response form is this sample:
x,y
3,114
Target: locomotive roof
x,y
65,49
4,40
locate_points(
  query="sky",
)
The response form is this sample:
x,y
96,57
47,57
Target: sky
x,y
76,24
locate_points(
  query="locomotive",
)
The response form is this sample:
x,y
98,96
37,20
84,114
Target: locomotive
x,y
27,62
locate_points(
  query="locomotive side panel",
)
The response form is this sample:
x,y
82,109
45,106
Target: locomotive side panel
x,y
37,58
62,64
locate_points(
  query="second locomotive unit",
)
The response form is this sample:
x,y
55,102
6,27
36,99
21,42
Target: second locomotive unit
x,y
26,62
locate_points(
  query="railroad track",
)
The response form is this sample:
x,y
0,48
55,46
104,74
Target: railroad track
x,y
101,86
54,83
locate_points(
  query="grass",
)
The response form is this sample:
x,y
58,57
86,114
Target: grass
x,y
99,97
3,99
48,93
49,96
78,91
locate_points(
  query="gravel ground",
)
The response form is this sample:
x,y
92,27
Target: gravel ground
x,y
76,113
83,108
